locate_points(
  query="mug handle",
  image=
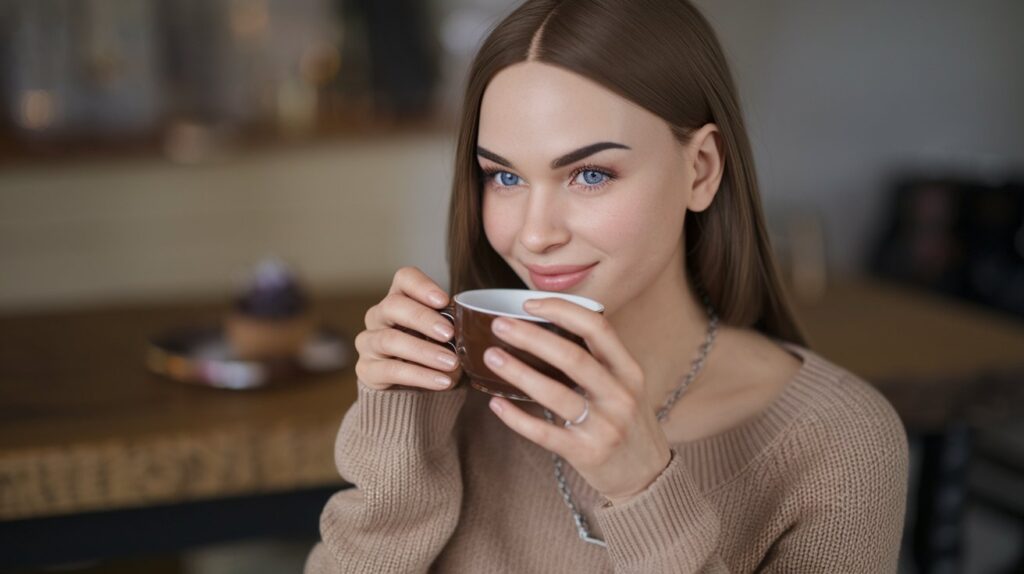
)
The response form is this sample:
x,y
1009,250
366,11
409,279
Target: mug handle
x,y
449,313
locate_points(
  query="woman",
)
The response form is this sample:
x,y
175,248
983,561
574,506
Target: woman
x,y
605,137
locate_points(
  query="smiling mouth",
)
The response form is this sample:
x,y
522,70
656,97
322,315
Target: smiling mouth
x,y
554,270
560,281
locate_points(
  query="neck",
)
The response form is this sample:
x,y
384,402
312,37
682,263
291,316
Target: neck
x,y
663,328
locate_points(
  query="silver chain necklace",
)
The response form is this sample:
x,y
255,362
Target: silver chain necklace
x,y
581,522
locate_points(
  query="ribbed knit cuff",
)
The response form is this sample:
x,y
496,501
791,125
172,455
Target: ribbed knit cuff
x,y
671,519
408,418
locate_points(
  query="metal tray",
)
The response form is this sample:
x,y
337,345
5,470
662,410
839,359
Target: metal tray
x,y
201,356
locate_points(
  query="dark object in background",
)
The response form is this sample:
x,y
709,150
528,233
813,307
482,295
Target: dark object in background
x,y
956,236
403,56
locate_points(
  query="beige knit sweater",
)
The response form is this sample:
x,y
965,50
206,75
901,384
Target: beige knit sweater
x,y
815,483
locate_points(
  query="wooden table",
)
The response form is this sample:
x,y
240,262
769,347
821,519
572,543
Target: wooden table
x,y
86,431
107,459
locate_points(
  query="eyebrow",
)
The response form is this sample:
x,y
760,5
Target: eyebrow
x,y
565,160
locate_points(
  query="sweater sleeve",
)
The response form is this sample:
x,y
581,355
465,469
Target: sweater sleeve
x,y
851,500
398,449
670,527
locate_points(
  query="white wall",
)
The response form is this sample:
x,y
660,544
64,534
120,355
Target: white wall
x,y
347,213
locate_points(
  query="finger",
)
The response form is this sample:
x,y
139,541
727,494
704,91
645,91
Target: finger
x,y
382,373
570,358
595,330
391,343
550,393
548,436
398,310
417,285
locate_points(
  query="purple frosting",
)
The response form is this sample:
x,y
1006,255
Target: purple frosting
x,y
273,293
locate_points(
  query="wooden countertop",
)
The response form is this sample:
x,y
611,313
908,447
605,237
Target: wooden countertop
x,y
84,427
887,332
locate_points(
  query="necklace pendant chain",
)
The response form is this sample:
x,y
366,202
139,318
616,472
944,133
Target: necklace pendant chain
x,y
563,486
582,528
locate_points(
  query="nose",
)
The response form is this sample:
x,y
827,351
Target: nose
x,y
543,225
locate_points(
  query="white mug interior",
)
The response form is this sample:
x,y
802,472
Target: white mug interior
x,y
509,302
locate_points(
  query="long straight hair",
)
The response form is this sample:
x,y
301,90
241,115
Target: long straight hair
x,y
664,56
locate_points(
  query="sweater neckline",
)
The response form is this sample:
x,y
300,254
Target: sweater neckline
x,y
719,457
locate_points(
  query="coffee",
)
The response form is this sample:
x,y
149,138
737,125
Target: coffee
x,y
471,314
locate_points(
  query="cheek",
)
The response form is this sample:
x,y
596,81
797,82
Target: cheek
x,y
629,223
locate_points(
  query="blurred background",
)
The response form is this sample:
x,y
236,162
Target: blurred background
x,y
154,152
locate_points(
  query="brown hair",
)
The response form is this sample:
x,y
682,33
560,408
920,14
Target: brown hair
x,y
664,56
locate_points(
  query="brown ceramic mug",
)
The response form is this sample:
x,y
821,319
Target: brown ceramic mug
x,y
471,314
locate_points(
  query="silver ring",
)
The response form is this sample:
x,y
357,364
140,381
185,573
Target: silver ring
x,y
583,416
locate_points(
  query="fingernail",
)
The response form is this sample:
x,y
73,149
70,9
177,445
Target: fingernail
x,y
442,381
493,357
446,359
437,298
444,330
500,326
531,304
496,406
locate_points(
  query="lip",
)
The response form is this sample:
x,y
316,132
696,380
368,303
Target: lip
x,y
558,277
557,269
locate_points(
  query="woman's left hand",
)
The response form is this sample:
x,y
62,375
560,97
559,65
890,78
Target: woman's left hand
x,y
620,448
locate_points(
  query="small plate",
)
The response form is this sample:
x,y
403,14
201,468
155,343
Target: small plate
x,y
202,356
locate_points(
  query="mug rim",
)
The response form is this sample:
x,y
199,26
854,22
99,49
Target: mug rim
x,y
534,294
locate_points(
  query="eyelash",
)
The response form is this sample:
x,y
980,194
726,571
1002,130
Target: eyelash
x,y
610,176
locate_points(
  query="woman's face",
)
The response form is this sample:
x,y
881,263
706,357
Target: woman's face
x,y
620,208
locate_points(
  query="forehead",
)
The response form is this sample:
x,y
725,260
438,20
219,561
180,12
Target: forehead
x,y
538,110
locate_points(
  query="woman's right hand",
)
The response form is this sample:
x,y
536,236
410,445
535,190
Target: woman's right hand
x,y
389,356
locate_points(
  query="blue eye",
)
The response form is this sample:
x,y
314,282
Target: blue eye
x,y
506,178
592,177
502,178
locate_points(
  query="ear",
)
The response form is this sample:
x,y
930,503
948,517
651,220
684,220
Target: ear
x,y
707,164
